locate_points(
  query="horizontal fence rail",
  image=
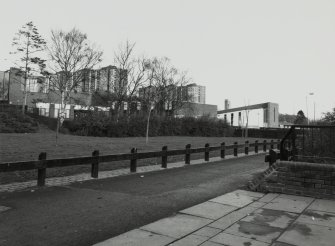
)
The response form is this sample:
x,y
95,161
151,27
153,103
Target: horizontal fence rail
x,y
42,163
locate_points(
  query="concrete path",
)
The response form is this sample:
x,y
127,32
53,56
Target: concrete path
x,y
241,218
66,180
88,212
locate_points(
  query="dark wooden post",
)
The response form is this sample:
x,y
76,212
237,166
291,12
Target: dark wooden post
x,y
246,148
235,149
223,150
164,157
41,171
271,145
264,146
207,152
95,164
133,160
188,154
278,144
256,146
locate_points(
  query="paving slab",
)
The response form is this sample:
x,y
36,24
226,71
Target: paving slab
x,y
308,235
177,226
257,204
323,205
289,203
249,193
207,231
268,197
234,199
209,210
137,238
233,240
232,218
209,243
317,218
263,233
190,240
269,217
4,208
281,244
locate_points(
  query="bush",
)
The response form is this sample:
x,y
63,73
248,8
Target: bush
x,y
16,122
135,126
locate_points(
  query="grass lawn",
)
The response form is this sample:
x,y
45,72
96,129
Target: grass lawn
x,y
23,147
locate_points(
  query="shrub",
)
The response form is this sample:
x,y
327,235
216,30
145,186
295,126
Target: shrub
x,y
135,126
16,122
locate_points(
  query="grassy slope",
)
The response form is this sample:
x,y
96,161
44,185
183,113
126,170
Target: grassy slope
x,y
21,147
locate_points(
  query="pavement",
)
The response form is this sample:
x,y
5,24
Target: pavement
x,y
66,180
241,218
91,211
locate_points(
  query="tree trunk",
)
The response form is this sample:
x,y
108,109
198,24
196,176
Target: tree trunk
x,y
24,103
61,115
148,121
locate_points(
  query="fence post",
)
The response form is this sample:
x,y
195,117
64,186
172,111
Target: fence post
x,y
264,146
256,146
187,154
246,148
271,146
207,152
41,171
133,160
223,150
278,143
164,157
95,164
235,149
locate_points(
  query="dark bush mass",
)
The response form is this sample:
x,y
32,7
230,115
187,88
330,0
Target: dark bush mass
x,y
16,122
135,126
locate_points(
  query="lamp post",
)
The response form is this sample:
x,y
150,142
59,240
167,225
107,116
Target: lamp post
x,y
8,82
309,94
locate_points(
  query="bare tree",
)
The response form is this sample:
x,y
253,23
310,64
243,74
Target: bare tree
x,y
28,43
72,57
165,89
132,74
246,113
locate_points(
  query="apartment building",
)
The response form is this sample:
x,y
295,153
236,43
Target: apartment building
x,y
107,79
196,93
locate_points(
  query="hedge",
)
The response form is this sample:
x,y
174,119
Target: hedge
x,y
135,126
16,122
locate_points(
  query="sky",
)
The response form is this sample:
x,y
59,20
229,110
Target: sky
x,y
246,51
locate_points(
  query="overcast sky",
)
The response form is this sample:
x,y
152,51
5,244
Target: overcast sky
x,y
247,51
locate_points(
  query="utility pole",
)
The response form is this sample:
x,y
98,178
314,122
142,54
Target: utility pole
x,y
8,84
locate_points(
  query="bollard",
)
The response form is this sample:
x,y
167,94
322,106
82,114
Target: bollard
x,y
223,150
133,160
95,164
188,154
246,148
264,146
164,157
207,152
235,149
41,171
256,146
271,145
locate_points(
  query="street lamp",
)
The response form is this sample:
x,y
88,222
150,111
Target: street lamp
x,y
309,94
8,83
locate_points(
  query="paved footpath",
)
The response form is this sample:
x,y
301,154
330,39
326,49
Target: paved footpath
x,y
87,212
58,181
241,218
